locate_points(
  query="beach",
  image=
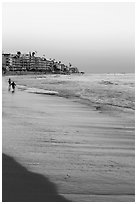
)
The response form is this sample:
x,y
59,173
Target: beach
x,y
78,132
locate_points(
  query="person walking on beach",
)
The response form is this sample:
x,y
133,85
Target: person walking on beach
x,y
9,81
13,86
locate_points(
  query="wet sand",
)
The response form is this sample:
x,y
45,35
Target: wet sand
x,y
89,155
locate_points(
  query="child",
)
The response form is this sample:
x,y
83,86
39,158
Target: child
x,y
9,81
13,86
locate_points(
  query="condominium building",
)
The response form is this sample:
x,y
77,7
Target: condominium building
x,y
30,62
5,61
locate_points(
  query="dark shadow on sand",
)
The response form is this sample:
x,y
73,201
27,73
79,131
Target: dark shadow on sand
x,y
21,185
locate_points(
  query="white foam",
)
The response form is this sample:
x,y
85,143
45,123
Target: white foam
x,y
41,91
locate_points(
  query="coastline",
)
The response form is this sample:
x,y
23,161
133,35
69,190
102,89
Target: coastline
x,y
73,87
89,155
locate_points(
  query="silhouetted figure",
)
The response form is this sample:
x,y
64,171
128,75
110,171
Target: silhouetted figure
x,y
13,86
9,81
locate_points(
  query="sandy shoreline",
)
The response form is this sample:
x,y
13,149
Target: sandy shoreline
x,y
115,93
87,154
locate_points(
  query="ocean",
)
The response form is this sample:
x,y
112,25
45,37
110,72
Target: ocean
x,y
111,90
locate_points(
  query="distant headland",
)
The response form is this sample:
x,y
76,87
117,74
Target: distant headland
x,y
30,63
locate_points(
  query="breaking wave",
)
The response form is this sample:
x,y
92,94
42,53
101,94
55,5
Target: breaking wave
x,y
116,90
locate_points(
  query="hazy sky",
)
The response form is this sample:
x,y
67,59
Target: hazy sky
x,y
95,37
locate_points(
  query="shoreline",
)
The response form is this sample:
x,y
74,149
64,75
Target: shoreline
x,y
56,79
24,73
80,150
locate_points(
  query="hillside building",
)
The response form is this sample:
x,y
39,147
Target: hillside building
x,y
30,62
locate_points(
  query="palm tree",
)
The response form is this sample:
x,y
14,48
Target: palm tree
x,y
70,64
18,53
33,53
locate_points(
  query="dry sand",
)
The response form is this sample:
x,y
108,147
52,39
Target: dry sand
x,y
87,154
